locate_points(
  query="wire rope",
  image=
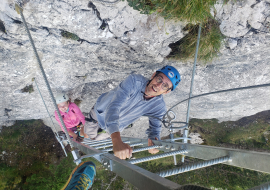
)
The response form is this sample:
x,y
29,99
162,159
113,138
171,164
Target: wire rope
x,y
19,9
55,133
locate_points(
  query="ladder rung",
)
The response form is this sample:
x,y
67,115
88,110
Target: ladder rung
x,y
89,141
135,144
163,155
98,143
145,148
106,145
194,166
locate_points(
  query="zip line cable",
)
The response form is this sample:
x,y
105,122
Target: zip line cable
x,y
19,10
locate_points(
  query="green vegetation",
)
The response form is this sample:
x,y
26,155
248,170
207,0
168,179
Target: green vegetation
x,y
69,35
195,12
32,158
28,89
253,135
210,42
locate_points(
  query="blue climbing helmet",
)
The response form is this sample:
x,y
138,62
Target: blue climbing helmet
x,y
172,74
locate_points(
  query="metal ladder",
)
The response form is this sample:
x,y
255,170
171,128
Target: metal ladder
x,y
144,179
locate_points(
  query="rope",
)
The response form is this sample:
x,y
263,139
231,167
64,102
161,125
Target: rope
x,y
44,75
55,133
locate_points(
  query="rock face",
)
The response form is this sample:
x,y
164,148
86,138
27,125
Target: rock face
x,y
107,42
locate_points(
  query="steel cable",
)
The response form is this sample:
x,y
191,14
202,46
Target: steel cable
x,y
44,75
55,133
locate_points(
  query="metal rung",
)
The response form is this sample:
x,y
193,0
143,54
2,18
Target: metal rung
x,y
98,143
145,148
148,158
194,166
107,145
135,144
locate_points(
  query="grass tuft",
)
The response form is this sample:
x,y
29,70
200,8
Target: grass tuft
x,y
28,89
69,35
210,42
192,11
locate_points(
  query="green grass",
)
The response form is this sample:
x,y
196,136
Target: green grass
x,y
210,42
251,136
30,151
193,12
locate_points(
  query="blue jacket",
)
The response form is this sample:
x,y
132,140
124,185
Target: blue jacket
x,y
123,105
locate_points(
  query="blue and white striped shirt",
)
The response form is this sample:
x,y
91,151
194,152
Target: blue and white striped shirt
x,y
123,105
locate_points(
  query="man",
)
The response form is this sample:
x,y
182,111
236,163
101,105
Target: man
x,y
136,96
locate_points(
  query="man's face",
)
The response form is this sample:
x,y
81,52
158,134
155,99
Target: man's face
x,y
159,85
63,106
